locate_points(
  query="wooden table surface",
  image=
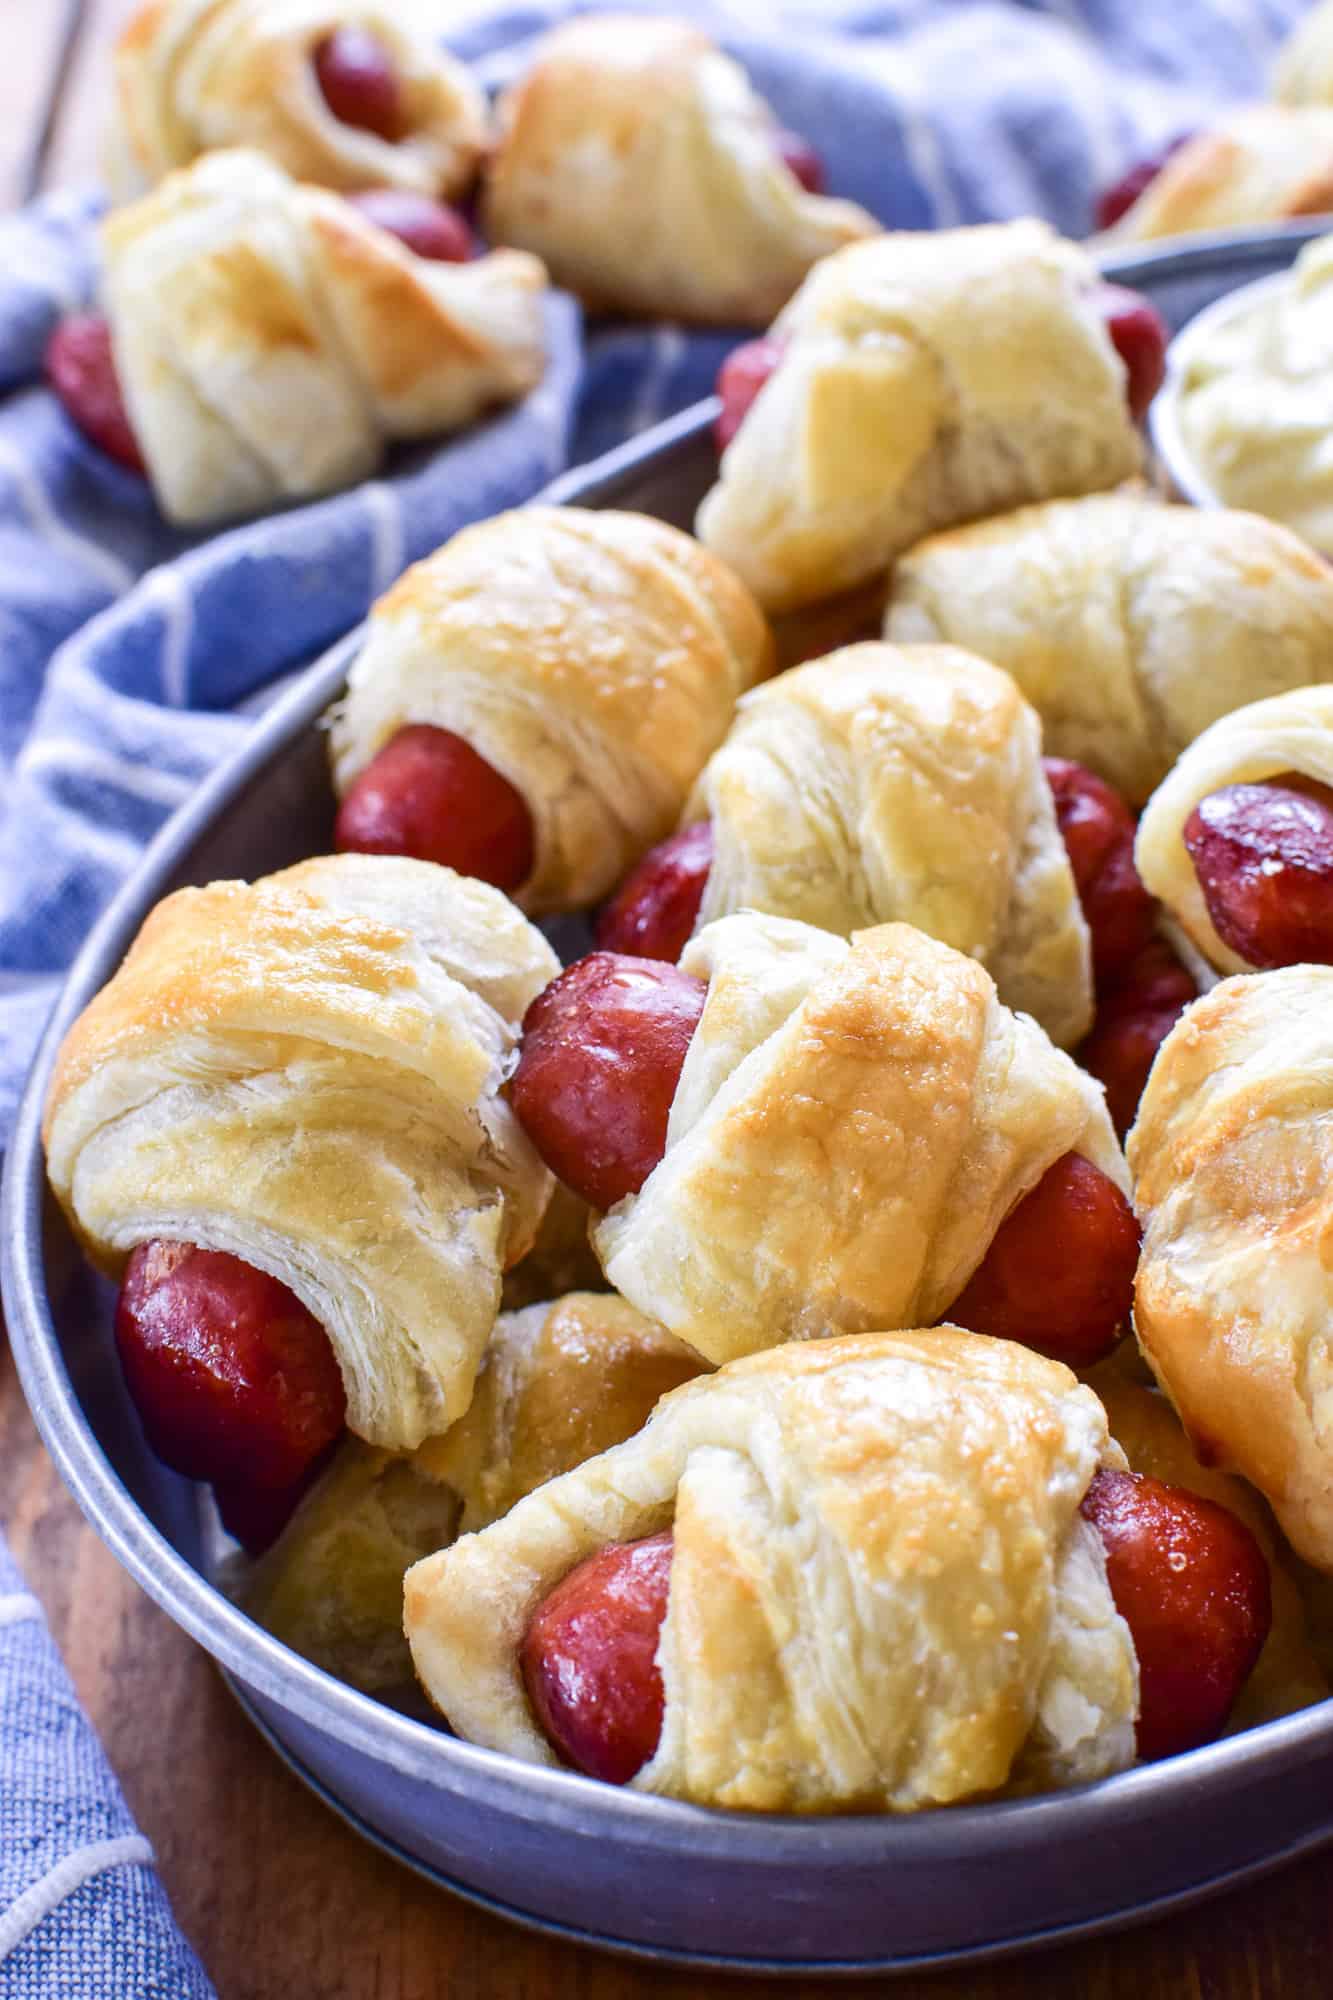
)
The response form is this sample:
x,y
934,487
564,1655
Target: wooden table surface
x,y
278,1897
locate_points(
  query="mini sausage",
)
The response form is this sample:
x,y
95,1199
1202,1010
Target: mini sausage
x,y
431,229
589,1659
1134,1018
1059,1274
1140,336
1263,857
1120,197
1098,831
233,1379
800,158
81,368
359,82
1192,1584
603,1047
740,378
655,909
427,794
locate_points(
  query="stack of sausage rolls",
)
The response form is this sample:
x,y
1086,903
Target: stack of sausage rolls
x,y
710,1365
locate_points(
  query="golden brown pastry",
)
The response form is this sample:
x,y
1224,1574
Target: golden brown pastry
x,y
852,1124
195,76
305,1071
1232,1158
882,1593
271,341
1129,625
592,659
1288,1675
883,784
1290,732
1265,163
927,379
638,163
561,1259
559,1382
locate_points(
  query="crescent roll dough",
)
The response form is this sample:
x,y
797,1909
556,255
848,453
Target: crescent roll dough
x,y
852,1124
638,163
927,378
305,1071
271,341
559,1382
1292,732
1267,163
1303,73
1287,1675
1130,626
882,1593
1232,1158
195,76
904,784
594,659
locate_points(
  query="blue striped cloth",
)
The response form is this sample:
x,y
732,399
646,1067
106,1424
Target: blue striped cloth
x,y
130,653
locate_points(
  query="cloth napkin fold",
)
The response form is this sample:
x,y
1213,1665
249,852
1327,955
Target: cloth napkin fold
x,y
130,653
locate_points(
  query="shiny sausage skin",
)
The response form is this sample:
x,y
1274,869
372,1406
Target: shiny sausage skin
x,y
800,158
1120,197
589,1659
359,82
1059,1274
427,794
1263,856
656,907
1098,831
429,228
601,1056
1134,1018
740,378
234,1381
81,369
1192,1584
1140,337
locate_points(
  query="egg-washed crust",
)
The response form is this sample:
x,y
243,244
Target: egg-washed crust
x,y
594,659
305,1071
882,1595
852,1124
885,784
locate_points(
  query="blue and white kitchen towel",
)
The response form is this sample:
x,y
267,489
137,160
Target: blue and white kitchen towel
x,y
127,649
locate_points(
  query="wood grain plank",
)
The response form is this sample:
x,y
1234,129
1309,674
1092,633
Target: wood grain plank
x,y
279,1897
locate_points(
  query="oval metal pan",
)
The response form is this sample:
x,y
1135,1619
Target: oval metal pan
x,y
646,1876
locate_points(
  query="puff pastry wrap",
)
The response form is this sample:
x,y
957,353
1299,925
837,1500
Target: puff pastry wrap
x,y
270,340
197,76
927,378
305,1071
1129,625
594,659
882,1594
1303,73
884,784
1232,1157
1266,163
638,163
1290,732
852,1124
559,1382
1287,1674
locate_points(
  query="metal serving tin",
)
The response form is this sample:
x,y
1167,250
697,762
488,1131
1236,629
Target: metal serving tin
x,y
607,1867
